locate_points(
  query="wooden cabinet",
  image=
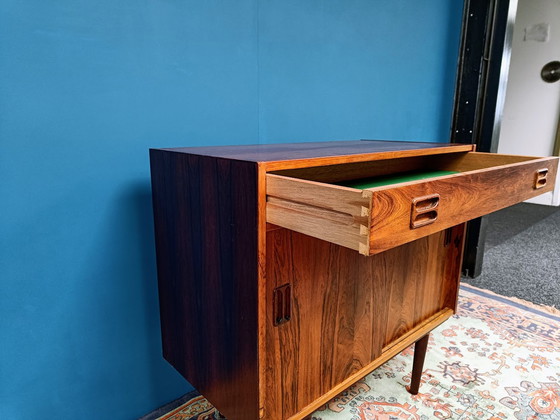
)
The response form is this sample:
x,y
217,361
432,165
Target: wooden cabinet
x,y
281,283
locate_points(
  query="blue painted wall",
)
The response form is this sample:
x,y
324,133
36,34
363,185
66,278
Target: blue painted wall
x,y
86,87
342,69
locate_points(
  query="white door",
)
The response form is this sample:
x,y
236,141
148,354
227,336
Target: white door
x,y
532,106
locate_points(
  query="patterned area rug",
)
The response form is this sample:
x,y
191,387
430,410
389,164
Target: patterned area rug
x,y
496,359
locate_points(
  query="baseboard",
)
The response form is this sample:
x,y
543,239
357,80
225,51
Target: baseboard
x,y
543,199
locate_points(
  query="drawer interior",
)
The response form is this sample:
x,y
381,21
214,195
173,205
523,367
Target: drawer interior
x,y
397,178
382,174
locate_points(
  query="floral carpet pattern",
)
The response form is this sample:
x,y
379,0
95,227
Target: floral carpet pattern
x,y
496,359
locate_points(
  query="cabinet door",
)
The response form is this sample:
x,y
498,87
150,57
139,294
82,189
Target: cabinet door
x,y
343,309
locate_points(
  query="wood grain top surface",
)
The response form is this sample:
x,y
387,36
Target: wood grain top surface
x,y
314,150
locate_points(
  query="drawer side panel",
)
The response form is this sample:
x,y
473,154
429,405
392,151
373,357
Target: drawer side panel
x,y
332,213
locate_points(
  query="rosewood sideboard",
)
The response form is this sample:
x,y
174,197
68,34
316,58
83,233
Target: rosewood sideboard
x,y
283,279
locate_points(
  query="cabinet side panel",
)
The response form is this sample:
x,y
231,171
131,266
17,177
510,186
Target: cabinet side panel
x,y
205,213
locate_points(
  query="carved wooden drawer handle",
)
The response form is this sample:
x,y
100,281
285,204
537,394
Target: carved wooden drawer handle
x,y
540,178
424,210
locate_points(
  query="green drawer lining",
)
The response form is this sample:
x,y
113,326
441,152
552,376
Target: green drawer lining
x,y
380,181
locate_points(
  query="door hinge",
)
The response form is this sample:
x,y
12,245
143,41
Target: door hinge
x,y
282,304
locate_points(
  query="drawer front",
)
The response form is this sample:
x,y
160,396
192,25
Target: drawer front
x,y
374,220
403,214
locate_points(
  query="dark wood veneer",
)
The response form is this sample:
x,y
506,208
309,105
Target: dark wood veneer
x,y
314,150
205,212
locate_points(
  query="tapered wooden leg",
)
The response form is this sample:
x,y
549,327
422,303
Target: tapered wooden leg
x,y
418,364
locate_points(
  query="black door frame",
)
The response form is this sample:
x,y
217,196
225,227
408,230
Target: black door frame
x,y
482,73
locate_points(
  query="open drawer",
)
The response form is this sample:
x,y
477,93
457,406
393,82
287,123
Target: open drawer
x,y
317,201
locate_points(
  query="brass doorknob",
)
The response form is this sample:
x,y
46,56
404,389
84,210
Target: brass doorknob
x,y
550,73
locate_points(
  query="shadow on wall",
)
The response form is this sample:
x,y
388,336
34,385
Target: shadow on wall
x,y
129,323
140,195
